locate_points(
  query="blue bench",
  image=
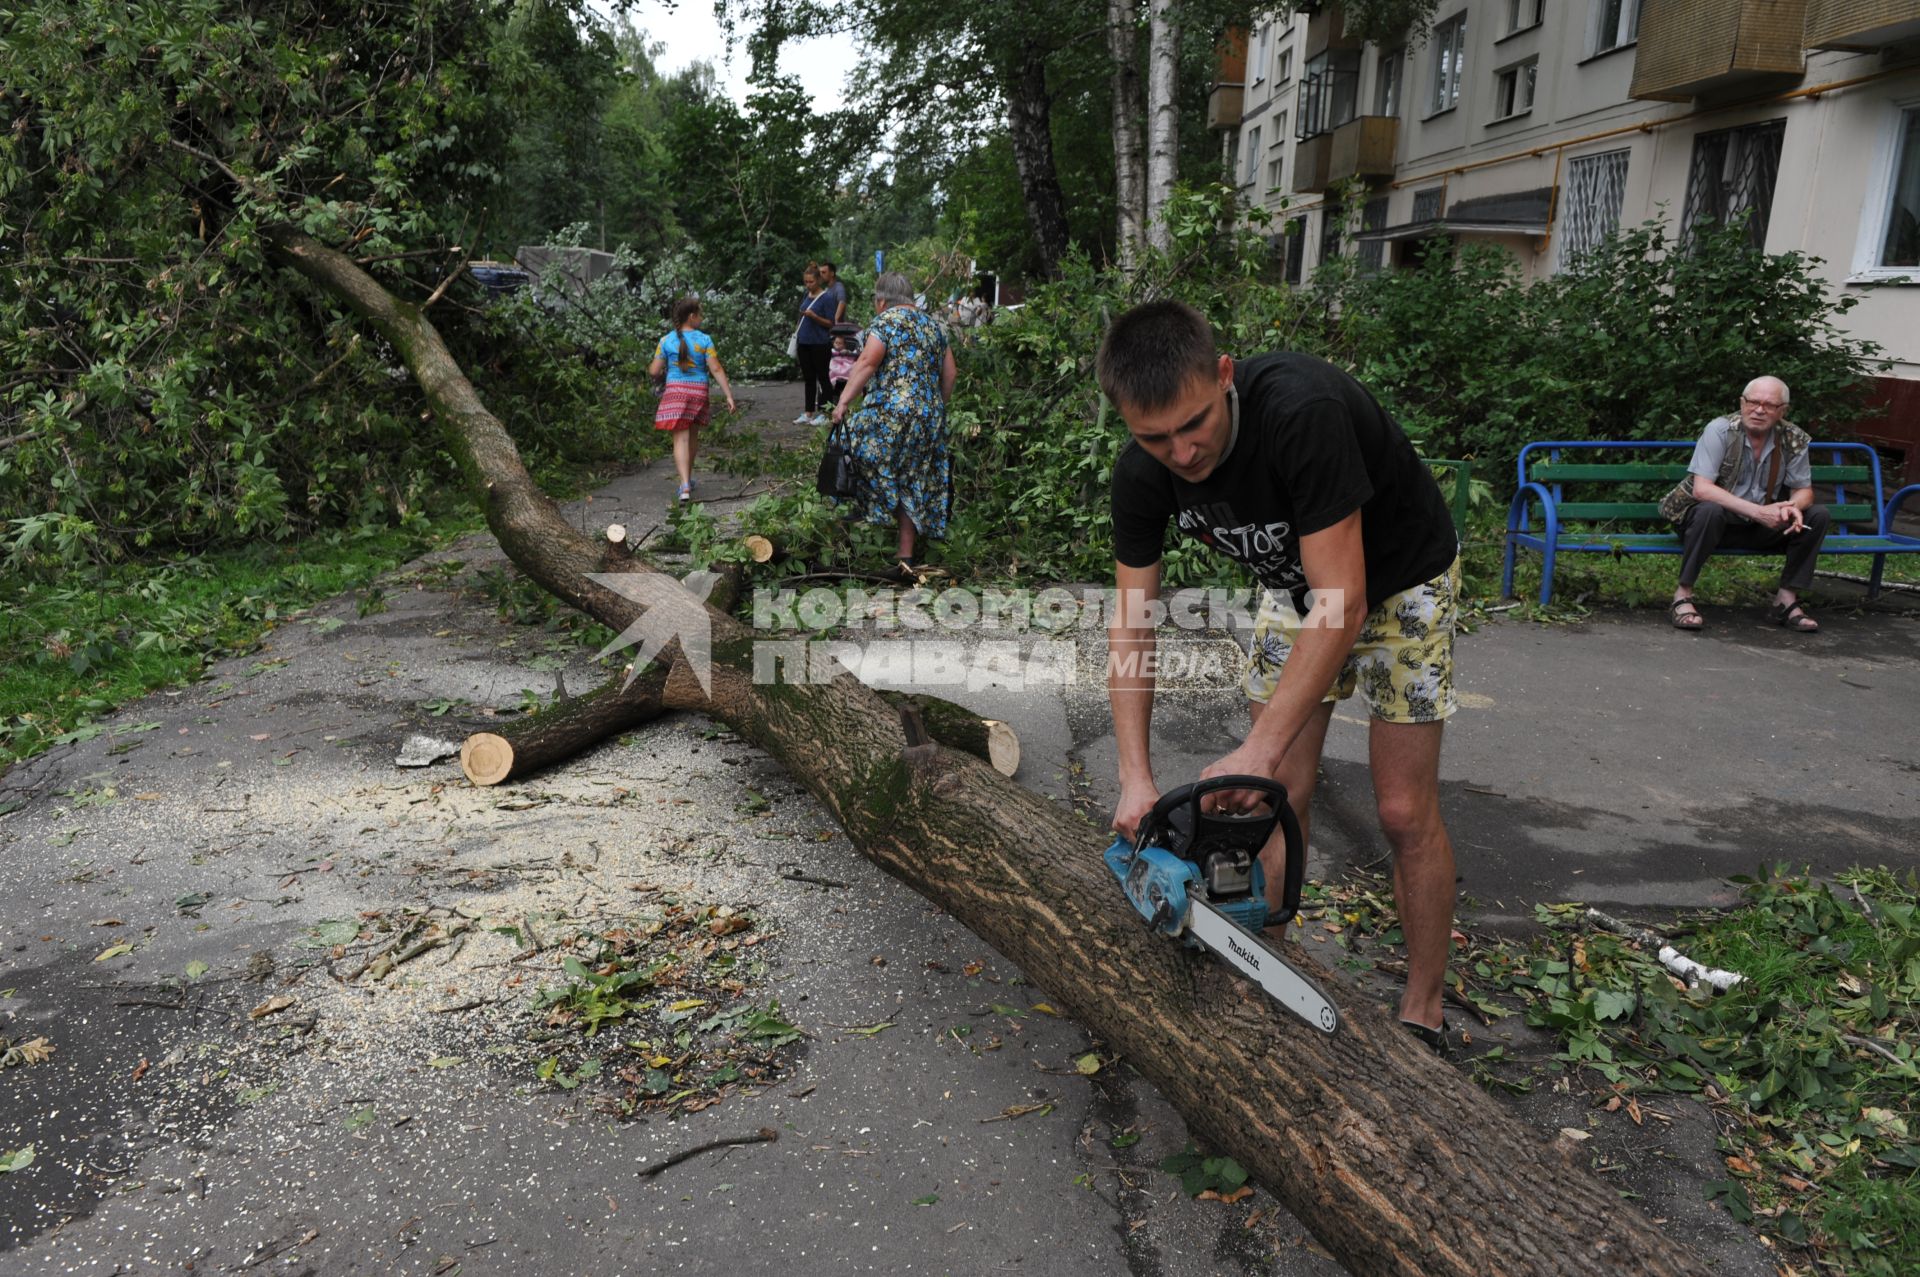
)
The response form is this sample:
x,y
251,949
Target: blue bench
x,y
1548,469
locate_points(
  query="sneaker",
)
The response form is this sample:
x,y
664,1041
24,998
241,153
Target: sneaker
x,y
803,419
686,493
822,419
1443,1040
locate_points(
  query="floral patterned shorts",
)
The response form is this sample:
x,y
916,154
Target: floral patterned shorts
x,y
1402,662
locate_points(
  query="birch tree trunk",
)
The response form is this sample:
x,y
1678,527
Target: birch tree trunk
x,y
1129,113
1163,115
1397,1163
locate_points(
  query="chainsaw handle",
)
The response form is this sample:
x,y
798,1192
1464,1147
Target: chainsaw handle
x,y
1184,795
1276,795
1296,877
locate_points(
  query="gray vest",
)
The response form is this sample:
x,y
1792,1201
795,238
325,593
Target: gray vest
x,y
1789,441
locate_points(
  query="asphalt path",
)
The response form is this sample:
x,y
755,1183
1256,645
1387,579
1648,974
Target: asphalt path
x,y
218,829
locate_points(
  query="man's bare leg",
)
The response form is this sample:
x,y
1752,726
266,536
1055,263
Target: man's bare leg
x,y
1299,771
1405,759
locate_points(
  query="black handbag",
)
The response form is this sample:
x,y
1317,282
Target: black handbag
x,y
839,476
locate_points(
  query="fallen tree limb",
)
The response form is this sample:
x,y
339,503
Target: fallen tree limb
x,y
1396,1163
765,1135
1670,958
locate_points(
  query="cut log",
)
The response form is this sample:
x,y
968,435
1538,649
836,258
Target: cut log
x,y
955,726
561,730
759,548
518,749
1397,1163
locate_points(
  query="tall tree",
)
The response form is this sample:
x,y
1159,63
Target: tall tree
x,y
1129,151
1163,115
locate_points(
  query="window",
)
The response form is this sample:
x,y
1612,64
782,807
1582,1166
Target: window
x,y
1275,150
1898,246
1449,63
1522,14
1332,219
1283,70
1252,153
1616,24
1386,89
1596,185
1296,248
1733,173
1513,90
1427,204
1373,251
1329,92
1260,56
1274,173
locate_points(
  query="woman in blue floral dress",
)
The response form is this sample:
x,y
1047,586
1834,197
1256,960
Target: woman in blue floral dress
x,y
899,435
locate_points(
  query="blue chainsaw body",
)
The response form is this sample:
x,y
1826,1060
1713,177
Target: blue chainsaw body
x,y
1159,883
1182,853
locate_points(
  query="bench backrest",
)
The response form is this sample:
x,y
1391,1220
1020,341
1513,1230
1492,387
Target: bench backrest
x,y
1556,464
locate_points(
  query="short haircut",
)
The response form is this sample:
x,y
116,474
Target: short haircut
x,y
684,309
1151,354
893,289
830,266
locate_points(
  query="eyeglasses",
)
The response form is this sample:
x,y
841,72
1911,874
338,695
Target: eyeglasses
x,y
1762,403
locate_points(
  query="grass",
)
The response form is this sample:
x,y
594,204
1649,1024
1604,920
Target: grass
x,y
74,648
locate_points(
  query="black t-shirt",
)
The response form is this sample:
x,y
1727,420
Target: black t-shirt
x,y
1314,447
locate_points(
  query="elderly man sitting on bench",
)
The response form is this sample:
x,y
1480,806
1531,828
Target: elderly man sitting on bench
x,y
1750,487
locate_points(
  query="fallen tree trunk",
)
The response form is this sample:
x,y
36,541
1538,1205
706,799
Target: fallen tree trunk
x,y
1394,1161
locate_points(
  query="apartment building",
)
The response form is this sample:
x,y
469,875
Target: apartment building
x,y
1545,125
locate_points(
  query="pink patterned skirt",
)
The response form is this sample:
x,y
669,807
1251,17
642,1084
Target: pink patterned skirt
x,y
683,406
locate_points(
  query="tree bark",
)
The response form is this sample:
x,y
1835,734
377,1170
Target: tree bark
x,y
1395,1162
1163,116
1129,151
1030,126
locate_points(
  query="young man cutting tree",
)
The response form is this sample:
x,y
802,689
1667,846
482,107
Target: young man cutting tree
x,y
1286,464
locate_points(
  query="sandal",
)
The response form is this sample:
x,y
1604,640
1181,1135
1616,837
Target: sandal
x,y
1689,621
1794,617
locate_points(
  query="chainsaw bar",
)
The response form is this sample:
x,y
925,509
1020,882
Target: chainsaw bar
x,y
1259,962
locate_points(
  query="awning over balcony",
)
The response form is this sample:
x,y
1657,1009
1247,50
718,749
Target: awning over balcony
x,y
1517,213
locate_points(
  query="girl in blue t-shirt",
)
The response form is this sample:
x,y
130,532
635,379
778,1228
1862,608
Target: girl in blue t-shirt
x,y
687,357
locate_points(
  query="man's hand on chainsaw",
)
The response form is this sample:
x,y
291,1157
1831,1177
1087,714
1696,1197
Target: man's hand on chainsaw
x,y
1241,762
1136,800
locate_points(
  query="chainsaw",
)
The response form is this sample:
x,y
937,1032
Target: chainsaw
x,y
1196,876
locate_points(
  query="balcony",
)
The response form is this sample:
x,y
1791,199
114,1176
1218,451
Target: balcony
x,y
1327,29
1861,24
1690,48
1311,157
1226,99
1363,148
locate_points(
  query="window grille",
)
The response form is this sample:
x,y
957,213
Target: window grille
x,y
1373,251
1733,173
1596,186
1427,204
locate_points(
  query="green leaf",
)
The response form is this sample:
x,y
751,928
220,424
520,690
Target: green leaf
x,y
359,1120
118,950
333,932
1087,1065
444,1061
1126,1139
928,1200
196,969
17,1160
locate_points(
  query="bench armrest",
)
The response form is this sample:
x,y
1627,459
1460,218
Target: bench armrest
x,y
1516,513
1893,507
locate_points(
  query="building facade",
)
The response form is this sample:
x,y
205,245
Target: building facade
x,y
1545,125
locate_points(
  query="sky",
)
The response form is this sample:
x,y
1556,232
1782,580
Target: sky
x,y
691,35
